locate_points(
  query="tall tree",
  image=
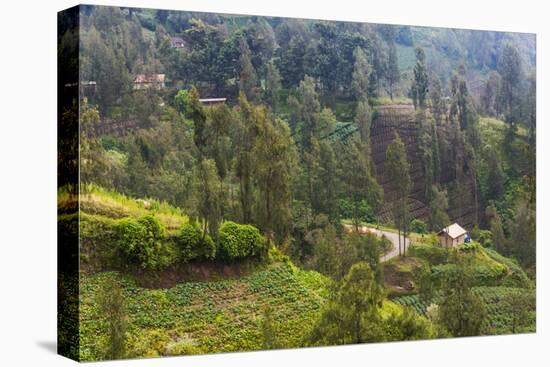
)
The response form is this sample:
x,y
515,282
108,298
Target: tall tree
x,y
495,174
523,231
322,164
112,308
497,231
438,107
291,62
273,161
363,119
510,70
360,183
461,311
308,109
397,170
198,115
247,131
272,85
392,75
361,74
269,336
248,80
438,209
352,314
489,94
419,87
208,197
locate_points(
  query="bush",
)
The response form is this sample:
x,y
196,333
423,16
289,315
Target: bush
x,y
435,255
140,241
485,238
241,240
418,226
192,245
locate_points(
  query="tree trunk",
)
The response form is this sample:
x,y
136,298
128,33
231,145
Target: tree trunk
x,y
399,239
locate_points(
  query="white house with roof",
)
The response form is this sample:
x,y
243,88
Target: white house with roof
x,y
452,235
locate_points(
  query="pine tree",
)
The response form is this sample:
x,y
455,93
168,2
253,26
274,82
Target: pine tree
x,y
495,175
363,120
272,85
361,74
461,311
393,76
439,205
353,312
510,70
360,184
398,172
438,107
419,88
273,160
248,80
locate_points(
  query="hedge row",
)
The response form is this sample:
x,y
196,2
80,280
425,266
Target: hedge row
x,y
143,242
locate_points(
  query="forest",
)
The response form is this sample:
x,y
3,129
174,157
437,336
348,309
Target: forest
x,y
251,183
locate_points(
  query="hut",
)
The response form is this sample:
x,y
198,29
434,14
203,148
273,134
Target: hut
x,y
452,235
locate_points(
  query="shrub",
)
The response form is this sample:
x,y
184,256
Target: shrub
x,y
433,254
192,245
485,238
241,240
418,226
140,241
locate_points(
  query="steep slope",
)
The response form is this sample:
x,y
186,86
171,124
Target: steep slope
x,y
389,120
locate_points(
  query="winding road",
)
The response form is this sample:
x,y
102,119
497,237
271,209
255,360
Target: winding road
x,y
393,237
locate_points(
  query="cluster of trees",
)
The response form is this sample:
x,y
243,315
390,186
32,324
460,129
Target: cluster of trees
x,y
144,243
269,167
270,158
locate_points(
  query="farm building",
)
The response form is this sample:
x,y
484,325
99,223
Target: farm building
x,y
149,81
452,235
212,101
177,42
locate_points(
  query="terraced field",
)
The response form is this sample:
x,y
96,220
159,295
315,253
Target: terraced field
x,y
495,299
207,317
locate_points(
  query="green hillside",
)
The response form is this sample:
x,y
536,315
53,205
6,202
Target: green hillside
x,y
207,317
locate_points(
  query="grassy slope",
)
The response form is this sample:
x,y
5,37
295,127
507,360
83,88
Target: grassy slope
x,y
100,203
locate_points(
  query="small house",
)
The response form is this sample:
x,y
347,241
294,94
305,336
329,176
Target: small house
x,y
177,42
149,81
452,235
212,101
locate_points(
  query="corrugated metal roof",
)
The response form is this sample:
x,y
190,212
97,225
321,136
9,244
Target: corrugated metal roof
x,y
207,100
454,230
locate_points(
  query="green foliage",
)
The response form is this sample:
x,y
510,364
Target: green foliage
x,y
461,311
193,246
238,241
268,333
408,325
497,300
182,102
434,255
167,321
352,314
485,238
140,241
438,210
418,226
112,309
419,88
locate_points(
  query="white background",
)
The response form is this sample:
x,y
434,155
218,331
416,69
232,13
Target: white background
x,y
28,182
